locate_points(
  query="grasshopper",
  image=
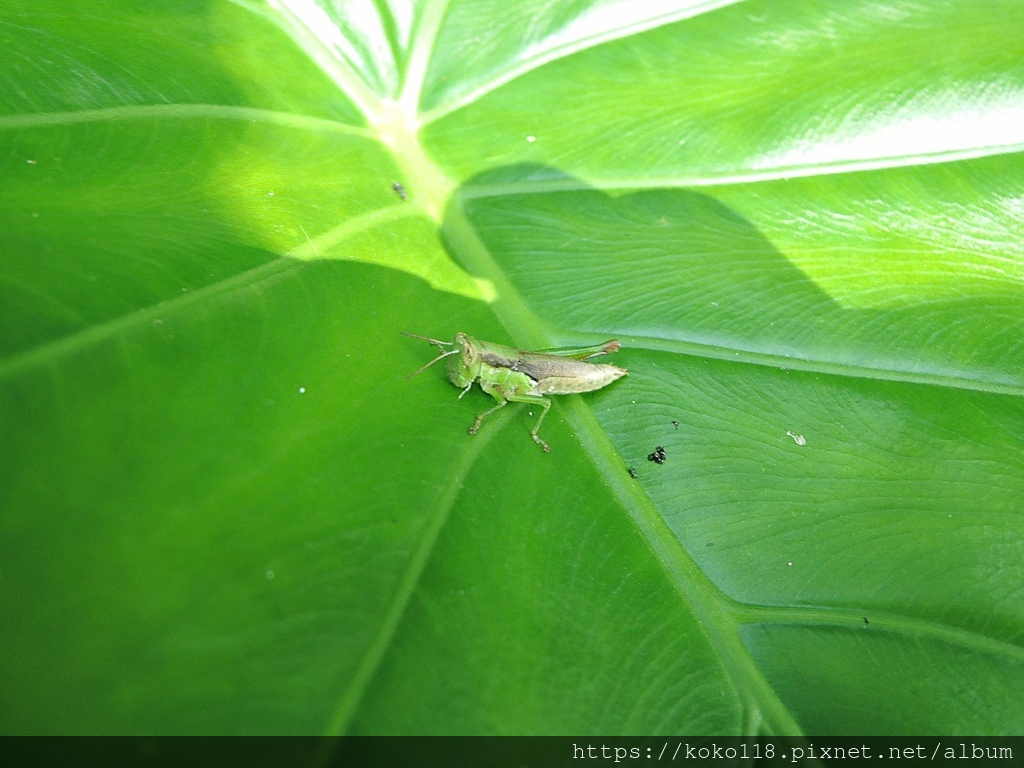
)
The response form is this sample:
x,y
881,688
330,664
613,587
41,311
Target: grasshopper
x,y
513,375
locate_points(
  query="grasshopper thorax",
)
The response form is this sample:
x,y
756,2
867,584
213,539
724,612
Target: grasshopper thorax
x,y
464,367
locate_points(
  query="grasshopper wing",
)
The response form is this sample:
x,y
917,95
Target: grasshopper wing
x,y
562,376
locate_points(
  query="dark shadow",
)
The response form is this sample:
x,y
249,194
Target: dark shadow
x,y
678,265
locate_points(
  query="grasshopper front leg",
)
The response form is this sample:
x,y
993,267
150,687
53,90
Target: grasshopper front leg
x,y
494,392
503,398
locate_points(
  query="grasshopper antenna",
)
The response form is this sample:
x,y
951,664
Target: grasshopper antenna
x,y
437,343
443,355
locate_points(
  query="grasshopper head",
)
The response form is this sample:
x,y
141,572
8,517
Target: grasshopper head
x,y
464,367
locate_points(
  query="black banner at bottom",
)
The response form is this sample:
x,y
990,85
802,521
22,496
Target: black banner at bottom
x,y
502,752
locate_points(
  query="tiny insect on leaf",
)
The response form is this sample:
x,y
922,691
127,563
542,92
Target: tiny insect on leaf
x,y
514,375
658,456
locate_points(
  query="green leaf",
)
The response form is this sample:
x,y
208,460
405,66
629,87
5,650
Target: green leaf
x,y
224,509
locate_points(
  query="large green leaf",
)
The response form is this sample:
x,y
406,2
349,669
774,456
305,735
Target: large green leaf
x,y
224,509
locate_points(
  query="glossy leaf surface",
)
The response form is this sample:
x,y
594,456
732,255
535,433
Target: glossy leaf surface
x,y
224,509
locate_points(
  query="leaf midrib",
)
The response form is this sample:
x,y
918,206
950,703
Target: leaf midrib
x,y
962,380
549,55
73,343
698,594
897,623
181,111
619,183
355,686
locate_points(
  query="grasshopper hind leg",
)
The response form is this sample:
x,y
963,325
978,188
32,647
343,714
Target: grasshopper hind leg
x,y
504,398
536,438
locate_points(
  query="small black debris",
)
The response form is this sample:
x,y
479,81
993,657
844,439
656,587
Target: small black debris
x,y
658,457
399,189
